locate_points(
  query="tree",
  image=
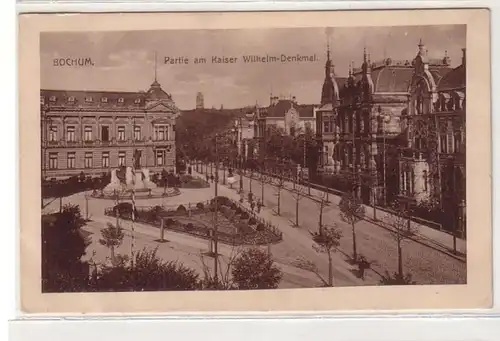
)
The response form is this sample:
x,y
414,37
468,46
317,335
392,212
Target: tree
x,y
352,211
255,269
401,229
223,280
279,183
263,180
112,237
322,203
146,273
326,242
63,246
298,193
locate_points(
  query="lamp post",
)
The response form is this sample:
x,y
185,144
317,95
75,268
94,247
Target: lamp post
x,y
386,118
239,131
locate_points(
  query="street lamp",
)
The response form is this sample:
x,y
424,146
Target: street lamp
x,y
238,128
385,118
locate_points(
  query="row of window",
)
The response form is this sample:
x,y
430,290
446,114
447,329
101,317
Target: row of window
x,y
88,99
160,157
347,125
408,182
448,143
160,133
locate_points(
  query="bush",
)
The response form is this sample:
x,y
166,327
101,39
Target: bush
x,y
148,273
260,227
252,221
396,279
189,227
221,200
169,222
238,210
181,210
255,269
200,206
244,215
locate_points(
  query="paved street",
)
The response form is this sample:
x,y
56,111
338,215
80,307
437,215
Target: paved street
x,y
187,249
426,264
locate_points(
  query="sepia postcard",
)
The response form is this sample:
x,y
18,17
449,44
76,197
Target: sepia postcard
x,y
287,162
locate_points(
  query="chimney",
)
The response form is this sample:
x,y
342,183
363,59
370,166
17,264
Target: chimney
x,y
463,56
274,100
294,100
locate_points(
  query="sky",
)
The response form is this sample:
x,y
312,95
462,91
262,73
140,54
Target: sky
x,y
125,61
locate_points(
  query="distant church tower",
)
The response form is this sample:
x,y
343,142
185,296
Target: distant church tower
x,y
200,103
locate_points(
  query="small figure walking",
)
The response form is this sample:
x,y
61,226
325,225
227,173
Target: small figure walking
x,y
208,178
252,205
259,205
212,178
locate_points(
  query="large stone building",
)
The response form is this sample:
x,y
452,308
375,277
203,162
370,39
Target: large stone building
x,y
286,116
432,163
282,116
95,131
360,121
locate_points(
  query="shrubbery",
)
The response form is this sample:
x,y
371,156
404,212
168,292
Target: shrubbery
x,y
181,210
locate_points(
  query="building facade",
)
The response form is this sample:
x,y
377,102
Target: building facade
x,y
361,123
95,131
245,133
286,116
281,117
432,163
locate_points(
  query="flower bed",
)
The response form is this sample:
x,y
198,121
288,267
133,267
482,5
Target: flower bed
x,y
236,225
188,181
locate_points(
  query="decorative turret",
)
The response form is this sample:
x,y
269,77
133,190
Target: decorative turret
x,y
446,59
366,76
366,62
330,91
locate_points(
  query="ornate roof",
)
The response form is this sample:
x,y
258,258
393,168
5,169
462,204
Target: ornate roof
x,y
453,80
93,99
156,93
106,100
389,78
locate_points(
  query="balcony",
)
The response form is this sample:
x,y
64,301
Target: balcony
x,y
89,142
72,143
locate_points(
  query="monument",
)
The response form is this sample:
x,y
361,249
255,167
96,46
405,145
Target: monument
x,y
126,179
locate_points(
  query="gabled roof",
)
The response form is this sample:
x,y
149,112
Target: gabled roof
x,y
284,105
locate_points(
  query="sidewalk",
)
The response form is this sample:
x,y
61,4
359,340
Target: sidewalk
x,y
185,249
295,245
428,236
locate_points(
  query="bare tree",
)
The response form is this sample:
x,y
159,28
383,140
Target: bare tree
x,y
250,177
223,280
264,179
401,229
352,211
298,193
279,183
112,237
322,203
326,242
308,265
